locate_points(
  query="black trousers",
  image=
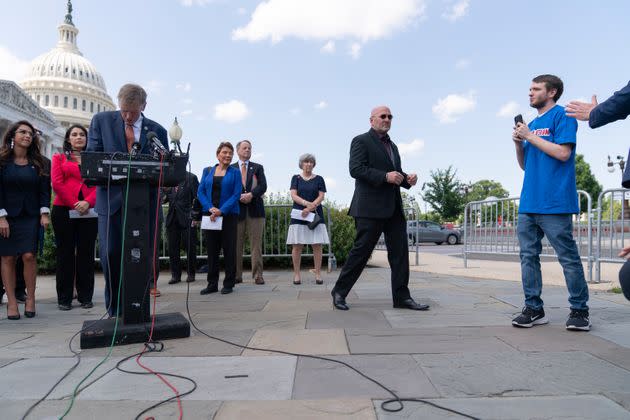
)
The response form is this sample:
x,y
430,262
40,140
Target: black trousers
x,y
368,232
178,237
75,239
20,286
217,240
624,279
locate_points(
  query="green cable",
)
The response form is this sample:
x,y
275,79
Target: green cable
x,y
122,259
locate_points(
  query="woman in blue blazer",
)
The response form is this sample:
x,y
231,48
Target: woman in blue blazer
x,y
219,194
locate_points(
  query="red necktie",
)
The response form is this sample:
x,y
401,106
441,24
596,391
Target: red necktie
x,y
130,136
243,174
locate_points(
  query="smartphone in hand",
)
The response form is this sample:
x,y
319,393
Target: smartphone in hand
x,y
518,119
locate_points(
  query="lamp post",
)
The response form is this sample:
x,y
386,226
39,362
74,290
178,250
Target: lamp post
x,y
622,166
175,133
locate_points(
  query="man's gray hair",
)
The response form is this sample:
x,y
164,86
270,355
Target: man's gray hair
x,y
132,94
307,157
243,141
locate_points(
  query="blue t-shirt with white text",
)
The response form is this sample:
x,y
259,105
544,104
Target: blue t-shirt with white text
x,y
549,184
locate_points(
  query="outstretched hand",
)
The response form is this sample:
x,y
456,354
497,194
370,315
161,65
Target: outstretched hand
x,y
581,110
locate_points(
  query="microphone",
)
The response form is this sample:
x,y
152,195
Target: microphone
x,y
156,143
135,149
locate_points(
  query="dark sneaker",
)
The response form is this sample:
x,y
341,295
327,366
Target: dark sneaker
x,y
530,317
64,307
578,321
87,305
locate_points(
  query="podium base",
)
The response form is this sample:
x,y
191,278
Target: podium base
x,y
99,333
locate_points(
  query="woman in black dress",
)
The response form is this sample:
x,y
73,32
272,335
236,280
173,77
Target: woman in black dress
x,y
24,209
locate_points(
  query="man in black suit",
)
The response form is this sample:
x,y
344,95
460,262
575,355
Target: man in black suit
x,y
251,216
377,208
178,227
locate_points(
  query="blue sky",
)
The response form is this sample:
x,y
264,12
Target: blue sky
x,y
298,76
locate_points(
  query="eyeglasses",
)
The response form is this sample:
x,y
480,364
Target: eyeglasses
x,y
25,132
386,116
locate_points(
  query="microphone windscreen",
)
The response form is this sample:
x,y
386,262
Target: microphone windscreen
x,y
151,135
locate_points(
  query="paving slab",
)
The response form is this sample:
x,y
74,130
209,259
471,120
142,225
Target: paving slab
x,y
583,407
448,317
98,410
8,337
322,294
249,320
305,409
239,304
620,397
356,318
423,340
521,374
324,341
7,362
317,379
298,306
559,299
619,356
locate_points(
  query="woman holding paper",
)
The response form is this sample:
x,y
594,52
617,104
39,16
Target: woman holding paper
x,y
307,217
24,208
74,222
219,193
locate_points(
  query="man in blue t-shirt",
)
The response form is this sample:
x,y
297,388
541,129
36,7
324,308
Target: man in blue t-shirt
x,y
545,150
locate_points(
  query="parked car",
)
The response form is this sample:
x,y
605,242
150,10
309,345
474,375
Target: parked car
x,y
432,232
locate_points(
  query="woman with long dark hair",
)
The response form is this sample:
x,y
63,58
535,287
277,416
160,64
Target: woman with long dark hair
x,y
24,209
75,228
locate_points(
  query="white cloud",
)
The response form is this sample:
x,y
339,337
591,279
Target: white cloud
x,y
184,86
12,67
190,3
331,183
449,109
413,148
509,109
186,112
231,112
456,11
153,86
324,20
321,105
355,50
462,64
328,48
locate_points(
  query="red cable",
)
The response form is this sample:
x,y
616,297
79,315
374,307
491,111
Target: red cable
x,y
148,369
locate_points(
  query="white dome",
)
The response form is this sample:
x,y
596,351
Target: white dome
x,y
65,83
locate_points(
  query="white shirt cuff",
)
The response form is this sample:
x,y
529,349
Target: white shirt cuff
x,y
44,210
3,213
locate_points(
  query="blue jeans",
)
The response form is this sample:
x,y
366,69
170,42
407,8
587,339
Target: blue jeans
x,y
559,231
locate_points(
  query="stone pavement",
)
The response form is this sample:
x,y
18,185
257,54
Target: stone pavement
x,y
463,354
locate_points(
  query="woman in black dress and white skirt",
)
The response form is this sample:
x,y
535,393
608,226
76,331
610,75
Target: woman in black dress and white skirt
x,y
24,209
307,192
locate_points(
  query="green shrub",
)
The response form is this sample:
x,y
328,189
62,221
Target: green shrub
x,y
342,232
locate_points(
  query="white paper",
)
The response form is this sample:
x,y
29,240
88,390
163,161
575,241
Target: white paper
x,y
74,214
207,224
297,215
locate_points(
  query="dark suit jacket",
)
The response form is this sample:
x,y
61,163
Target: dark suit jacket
x,y
617,107
181,202
256,207
369,163
15,197
107,134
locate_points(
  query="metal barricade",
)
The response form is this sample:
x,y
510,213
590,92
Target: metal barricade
x,y
613,222
412,217
490,227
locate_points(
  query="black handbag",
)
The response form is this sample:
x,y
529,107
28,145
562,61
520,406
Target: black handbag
x,y
316,221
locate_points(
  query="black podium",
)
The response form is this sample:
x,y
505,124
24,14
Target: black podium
x,y
142,172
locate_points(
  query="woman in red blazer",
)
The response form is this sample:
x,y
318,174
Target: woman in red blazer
x,y
74,222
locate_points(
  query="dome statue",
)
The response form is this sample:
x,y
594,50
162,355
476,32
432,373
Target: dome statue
x,y
66,83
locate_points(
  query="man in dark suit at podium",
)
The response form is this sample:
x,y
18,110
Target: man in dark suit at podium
x,y
117,131
377,208
179,229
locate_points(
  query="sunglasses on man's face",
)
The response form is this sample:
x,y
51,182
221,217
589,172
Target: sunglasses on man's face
x,y
386,116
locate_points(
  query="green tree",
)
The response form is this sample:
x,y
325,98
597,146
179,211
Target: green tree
x,y
443,193
586,181
485,188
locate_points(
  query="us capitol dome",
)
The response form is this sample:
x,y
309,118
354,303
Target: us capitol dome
x,y
65,83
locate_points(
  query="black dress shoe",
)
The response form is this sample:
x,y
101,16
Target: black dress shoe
x,y
209,290
226,290
339,301
87,305
237,281
174,281
190,278
21,297
64,307
409,303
